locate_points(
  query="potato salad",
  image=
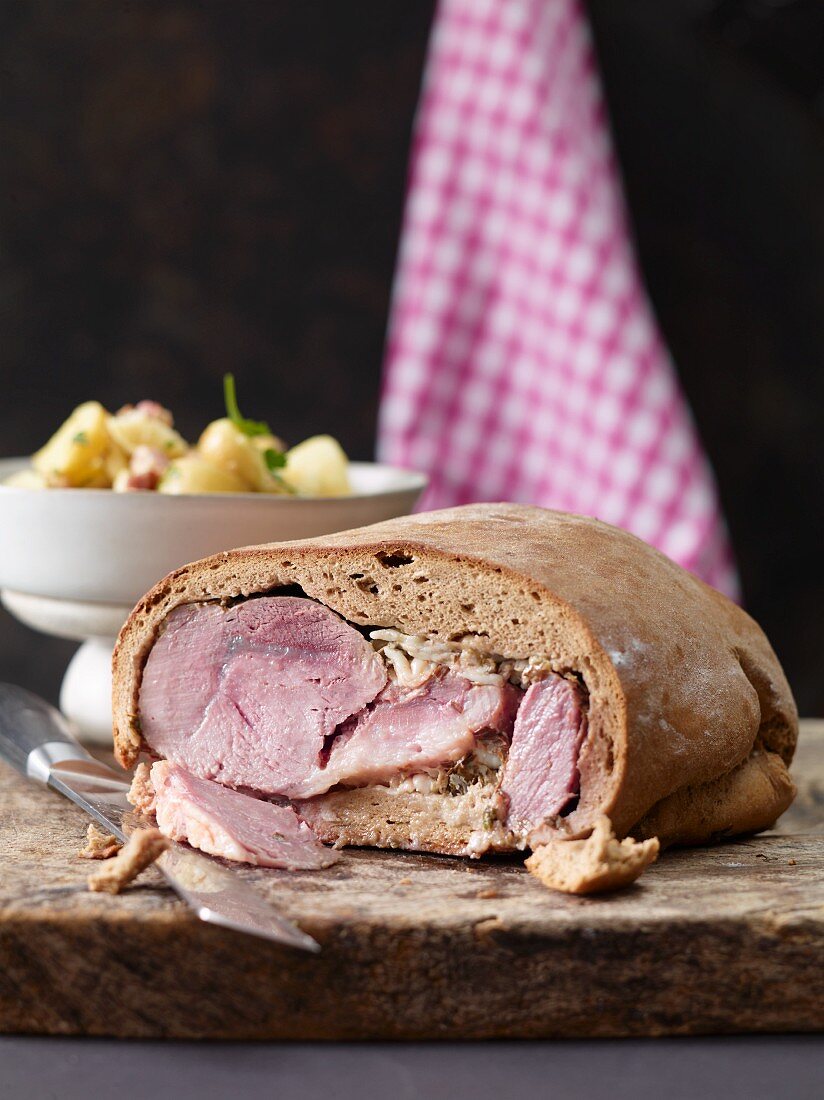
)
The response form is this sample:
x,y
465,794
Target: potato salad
x,y
137,449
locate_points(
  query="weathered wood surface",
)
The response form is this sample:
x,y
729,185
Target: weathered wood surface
x,y
723,939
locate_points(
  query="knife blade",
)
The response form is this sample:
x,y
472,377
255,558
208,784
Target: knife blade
x,y
38,742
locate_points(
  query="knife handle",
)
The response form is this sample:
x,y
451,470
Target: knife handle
x,y
34,735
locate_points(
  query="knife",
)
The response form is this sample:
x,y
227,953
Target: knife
x,y
37,741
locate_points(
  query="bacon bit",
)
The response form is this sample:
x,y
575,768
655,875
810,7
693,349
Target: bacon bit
x,y
146,467
142,848
99,845
152,409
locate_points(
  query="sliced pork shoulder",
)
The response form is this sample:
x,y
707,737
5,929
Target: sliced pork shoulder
x,y
280,695
248,694
411,729
236,826
541,774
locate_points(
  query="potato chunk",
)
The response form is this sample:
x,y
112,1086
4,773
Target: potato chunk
x,y
80,453
142,427
224,445
192,474
317,467
26,479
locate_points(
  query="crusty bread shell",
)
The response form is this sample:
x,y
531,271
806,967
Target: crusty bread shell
x,y
682,684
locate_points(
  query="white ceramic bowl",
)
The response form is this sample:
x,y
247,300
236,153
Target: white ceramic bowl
x,y
73,562
105,547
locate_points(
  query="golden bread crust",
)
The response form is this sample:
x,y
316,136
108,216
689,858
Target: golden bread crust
x,y
749,798
594,864
682,684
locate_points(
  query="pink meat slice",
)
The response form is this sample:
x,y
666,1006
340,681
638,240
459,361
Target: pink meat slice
x,y
406,730
248,694
541,773
226,823
281,696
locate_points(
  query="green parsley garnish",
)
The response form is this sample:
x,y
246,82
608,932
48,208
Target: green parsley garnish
x,y
248,427
275,460
81,438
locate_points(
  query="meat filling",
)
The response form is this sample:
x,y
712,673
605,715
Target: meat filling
x,y
541,778
280,696
233,825
248,695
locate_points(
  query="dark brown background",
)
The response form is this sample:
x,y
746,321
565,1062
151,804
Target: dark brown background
x,y
191,186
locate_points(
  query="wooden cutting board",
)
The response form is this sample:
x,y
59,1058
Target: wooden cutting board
x,y
722,939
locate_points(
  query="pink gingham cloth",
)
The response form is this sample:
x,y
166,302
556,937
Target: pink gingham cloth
x,y
523,359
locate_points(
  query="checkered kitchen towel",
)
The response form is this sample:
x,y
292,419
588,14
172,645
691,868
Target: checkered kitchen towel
x,y
523,360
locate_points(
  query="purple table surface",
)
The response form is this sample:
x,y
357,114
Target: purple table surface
x,y
789,1067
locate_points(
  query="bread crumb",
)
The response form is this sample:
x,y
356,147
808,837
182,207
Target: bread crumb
x,y
489,892
141,793
142,848
99,845
404,882
596,864
791,862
